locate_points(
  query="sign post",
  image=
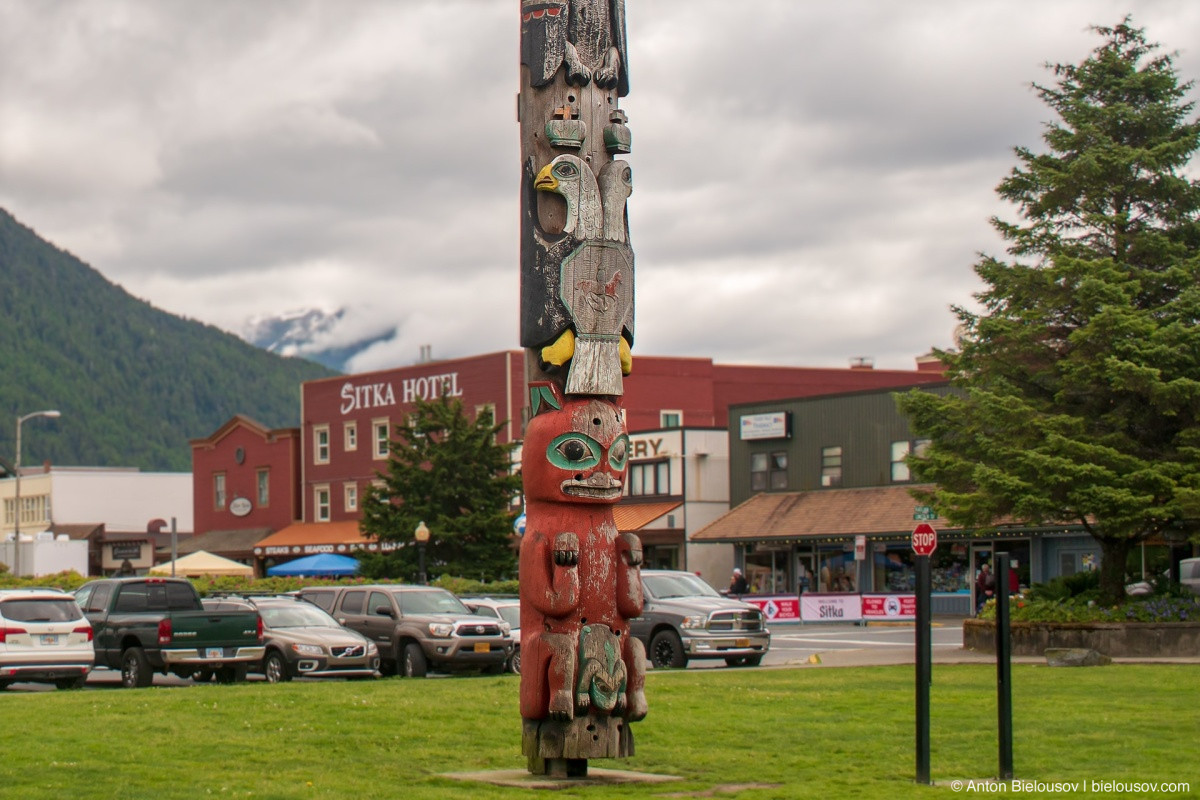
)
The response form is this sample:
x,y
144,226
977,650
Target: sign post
x,y
1003,669
924,542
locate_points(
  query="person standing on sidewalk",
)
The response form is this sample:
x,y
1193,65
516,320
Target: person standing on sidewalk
x,y
737,584
985,586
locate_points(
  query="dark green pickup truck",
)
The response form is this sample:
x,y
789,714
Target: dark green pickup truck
x,y
147,625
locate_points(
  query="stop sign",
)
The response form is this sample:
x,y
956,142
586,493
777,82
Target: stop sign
x,y
924,539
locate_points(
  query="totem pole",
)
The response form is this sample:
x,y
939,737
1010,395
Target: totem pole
x,y
582,674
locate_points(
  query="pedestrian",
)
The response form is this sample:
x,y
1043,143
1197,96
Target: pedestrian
x,y
737,584
1014,580
985,586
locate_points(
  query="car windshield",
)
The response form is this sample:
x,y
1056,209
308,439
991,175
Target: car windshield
x,y
677,585
41,609
430,601
300,615
511,615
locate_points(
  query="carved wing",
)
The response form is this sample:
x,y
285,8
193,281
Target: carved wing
x,y
544,38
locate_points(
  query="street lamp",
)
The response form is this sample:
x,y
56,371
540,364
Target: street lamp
x,y
52,414
421,534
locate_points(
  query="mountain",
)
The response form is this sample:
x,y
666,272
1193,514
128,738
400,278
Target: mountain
x,y
134,383
315,335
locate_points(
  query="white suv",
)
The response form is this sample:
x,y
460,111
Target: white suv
x,y
508,609
44,638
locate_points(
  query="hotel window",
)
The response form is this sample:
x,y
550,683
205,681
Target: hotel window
x,y
350,436
263,478
321,444
219,498
768,471
900,450
831,466
670,419
351,496
321,503
647,478
379,437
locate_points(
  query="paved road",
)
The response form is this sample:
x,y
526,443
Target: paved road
x,y
842,644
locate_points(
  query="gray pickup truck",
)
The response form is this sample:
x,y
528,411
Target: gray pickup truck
x,y
417,628
685,618
147,625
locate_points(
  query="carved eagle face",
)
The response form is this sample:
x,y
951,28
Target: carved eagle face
x,y
576,454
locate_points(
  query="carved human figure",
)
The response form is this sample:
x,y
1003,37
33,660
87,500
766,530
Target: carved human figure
x,y
580,578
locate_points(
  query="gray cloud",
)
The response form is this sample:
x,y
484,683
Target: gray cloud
x,y
812,181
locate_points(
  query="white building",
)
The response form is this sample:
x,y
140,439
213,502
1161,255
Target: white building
x,y
117,514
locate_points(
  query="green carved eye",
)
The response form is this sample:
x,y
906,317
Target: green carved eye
x,y
618,454
573,451
565,171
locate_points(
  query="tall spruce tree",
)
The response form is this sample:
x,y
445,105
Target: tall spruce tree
x,y
451,473
1081,373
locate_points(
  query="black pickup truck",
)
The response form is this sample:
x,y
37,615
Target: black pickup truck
x,y
147,625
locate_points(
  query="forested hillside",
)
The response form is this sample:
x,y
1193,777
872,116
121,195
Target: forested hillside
x,y
133,383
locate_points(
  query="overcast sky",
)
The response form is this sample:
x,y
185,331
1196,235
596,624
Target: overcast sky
x,y
812,180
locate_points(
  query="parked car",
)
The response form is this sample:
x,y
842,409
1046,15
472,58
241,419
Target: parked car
x,y
301,640
148,625
44,638
507,609
417,628
685,618
1189,574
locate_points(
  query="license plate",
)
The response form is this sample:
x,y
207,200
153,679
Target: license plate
x,y
741,642
49,638
213,652
482,647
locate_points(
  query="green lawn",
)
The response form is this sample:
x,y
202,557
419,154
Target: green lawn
x,y
819,733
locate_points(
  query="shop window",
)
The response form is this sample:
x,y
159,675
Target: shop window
x,y
670,419
264,487
321,503
379,438
219,496
836,569
648,478
900,452
350,436
321,444
34,510
351,496
831,466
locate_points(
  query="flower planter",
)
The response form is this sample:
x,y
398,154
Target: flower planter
x,y
1114,639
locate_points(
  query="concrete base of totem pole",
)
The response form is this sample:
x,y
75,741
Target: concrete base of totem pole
x,y
595,777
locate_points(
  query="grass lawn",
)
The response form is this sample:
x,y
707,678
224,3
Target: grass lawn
x,y
797,733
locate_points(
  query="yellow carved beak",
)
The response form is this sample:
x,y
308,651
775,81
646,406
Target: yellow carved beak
x,y
546,182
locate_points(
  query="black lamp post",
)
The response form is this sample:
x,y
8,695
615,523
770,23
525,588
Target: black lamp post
x,y
421,534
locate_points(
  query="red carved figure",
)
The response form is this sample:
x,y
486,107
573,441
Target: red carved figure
x,y
580,582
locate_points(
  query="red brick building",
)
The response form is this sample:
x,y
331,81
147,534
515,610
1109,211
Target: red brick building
x,y
346,422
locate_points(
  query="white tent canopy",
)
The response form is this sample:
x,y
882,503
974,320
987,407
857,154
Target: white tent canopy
x,y
202,562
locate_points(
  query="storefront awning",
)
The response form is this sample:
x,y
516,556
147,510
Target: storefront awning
x,y
307,538
635,516
878,511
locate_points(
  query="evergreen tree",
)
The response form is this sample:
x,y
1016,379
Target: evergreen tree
x,y
450,473
1080,377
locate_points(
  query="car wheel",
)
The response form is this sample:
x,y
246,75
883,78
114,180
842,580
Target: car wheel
x,y
71,683
135,669
275,668
414,664
514,663
666,650
4,685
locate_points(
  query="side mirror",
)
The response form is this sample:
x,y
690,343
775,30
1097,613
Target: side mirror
x,y
385,611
